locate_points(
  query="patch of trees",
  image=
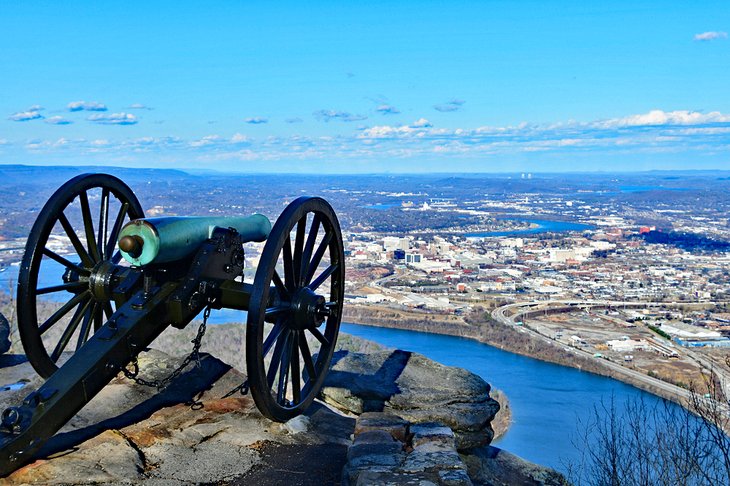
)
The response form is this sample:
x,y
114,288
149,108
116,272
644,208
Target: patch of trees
x,y
656,444
686,241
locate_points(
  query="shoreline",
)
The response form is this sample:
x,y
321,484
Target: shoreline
x,y
496,335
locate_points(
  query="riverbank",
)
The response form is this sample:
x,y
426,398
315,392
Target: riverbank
x,y
480,327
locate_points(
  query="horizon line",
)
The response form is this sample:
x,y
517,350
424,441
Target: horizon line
x,y
192,171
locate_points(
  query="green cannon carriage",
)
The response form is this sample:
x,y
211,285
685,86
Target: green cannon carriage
x,y
124,279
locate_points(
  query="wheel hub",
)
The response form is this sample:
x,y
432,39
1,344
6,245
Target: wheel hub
x,y
308,308
100,280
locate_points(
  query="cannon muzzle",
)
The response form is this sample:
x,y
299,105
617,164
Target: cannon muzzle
x,y
167,239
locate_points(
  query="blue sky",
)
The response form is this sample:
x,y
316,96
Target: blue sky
x,y
486,86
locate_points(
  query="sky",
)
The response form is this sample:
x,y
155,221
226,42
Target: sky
x,y
368,86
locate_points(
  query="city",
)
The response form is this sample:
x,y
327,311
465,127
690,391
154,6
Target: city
x,y
583,251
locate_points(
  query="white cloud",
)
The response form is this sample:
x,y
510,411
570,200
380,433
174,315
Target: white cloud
x,y
295,119
328,115
240,138
421,123
86,106
113,119
710,36
256,120
58,120
386,109
139,106
23,116
449,106
659,117
655,132
206,141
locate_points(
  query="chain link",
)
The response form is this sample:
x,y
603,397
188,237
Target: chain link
x,y
194,355
242,388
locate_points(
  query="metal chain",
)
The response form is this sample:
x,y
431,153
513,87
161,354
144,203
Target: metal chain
x,y
242,388
194,355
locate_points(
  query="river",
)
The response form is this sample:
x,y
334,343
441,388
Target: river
x,y
548,401
542,226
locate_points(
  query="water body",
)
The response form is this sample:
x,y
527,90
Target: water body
x,y
547,400
382,206
543,226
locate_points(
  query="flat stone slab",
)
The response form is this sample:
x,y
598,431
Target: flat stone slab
x,y
376,457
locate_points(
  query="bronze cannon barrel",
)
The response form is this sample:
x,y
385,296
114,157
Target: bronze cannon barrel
x,y
167,239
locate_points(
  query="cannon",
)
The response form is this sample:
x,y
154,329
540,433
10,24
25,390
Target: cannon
x,y
121,279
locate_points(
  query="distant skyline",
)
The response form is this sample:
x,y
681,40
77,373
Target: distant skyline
x,y
491,86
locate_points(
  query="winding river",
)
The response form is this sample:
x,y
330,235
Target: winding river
x,y
548,401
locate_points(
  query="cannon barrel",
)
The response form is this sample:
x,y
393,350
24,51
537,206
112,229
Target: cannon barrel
x,y
167,239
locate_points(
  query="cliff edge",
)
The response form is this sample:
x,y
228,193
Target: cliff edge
x,y
196,432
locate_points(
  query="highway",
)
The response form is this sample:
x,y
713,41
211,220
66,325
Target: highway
x,y
516,311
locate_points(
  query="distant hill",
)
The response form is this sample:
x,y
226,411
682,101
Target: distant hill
x,y
20,174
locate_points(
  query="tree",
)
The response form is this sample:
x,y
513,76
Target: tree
x,y
659,444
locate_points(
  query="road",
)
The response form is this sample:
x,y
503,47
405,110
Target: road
x,y
518,310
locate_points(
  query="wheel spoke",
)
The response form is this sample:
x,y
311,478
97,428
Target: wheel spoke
x,y
78,246
86,325
59,259
307,357
118,222
308,248
296,387
68,332
271,338
324,276
276,359
103,223
272,311
288,266
280,285
298,248
117,257
284,370
63,311
58,288
89,226
98,318
318,256
108,311
320,337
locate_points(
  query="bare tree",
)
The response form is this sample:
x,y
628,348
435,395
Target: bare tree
x,y
647,444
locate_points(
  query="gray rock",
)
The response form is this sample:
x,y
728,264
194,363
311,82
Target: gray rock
x,y
378,421
130,434
495,467
414,388
4,334
454,477
426,456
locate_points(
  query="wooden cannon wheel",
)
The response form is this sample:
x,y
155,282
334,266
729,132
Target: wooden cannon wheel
x,y
88,211
295,309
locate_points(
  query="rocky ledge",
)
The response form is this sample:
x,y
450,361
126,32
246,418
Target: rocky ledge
x,y
194,432
415,388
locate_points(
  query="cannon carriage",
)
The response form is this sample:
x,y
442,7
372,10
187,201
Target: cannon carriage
x,y
128,278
